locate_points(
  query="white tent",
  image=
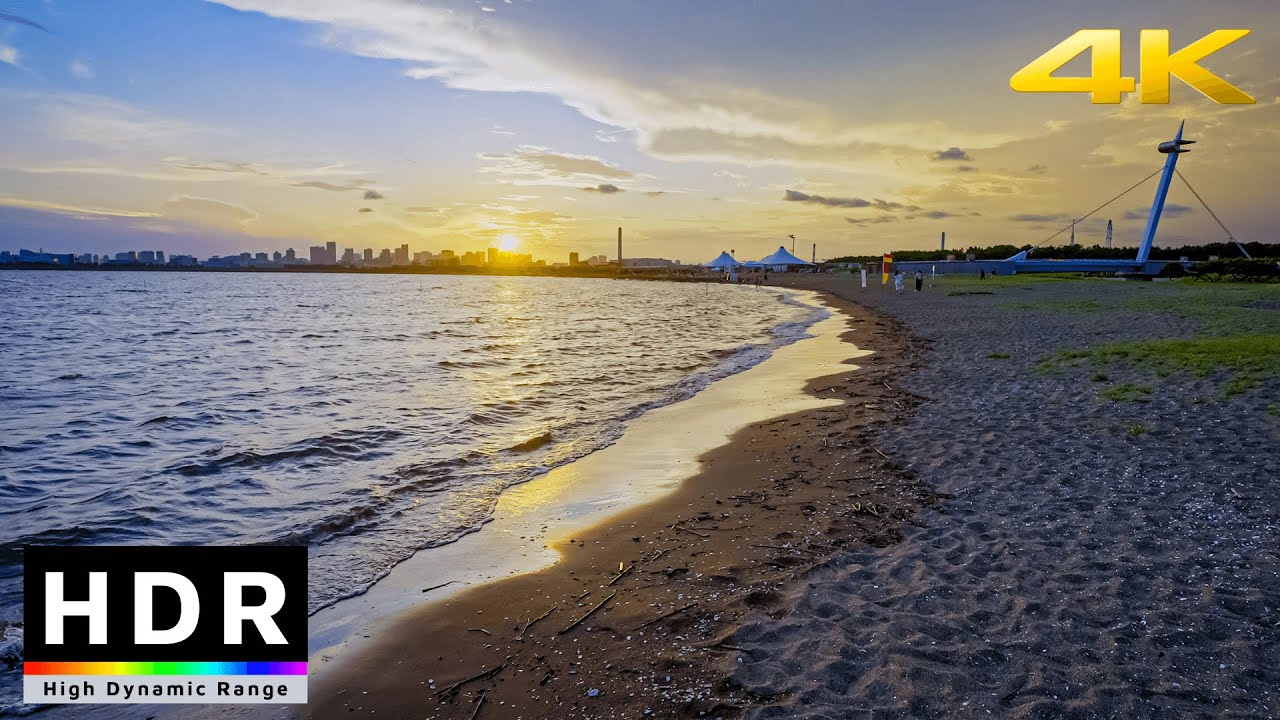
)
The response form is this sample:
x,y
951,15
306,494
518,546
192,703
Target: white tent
x,y
723,263
782,259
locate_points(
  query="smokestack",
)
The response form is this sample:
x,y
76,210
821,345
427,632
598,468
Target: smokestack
x,y
814,259
619,247
944,240
1108,234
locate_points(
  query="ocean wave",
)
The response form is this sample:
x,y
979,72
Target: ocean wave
x,y
350,445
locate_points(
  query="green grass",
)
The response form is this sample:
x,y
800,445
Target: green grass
x,y
1128,393
1249,359
1136,429
1218,308
998,356
1274,409
1237,332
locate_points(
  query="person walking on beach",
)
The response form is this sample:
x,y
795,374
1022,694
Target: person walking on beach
x,y
897,282
919,280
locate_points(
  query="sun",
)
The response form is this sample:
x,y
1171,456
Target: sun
x,y
507,243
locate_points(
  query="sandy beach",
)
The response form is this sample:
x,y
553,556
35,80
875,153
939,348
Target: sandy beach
x,y
1100,553
636,619
973,532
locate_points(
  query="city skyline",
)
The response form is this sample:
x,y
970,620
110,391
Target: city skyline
x,y
242,125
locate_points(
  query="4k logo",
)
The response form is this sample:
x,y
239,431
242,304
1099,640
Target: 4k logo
x,y
1107,84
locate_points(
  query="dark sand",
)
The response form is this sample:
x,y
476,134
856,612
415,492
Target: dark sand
x,y
783,497
1078,570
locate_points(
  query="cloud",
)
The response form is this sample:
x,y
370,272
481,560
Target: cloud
x,y
207,211
952,153
604,188
80,211
934,215
1040,218
530,163
322,185
966,168
9,17
878,204
656,193
372,195
82,69
1037,169
877,220
365,210
423,210
469,50
1171,210
215,166
9,55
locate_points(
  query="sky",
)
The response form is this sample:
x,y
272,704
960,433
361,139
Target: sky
x,y
861,126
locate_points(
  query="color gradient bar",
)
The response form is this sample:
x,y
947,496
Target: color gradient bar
x,y
164,668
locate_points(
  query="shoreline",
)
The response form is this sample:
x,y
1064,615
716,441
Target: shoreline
x,y
658,450
687,566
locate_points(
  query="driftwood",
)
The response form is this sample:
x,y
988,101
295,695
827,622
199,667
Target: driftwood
x,y
437,587
486,632
620,575
660,618
590,612
530,624
479,702
446,693
677,526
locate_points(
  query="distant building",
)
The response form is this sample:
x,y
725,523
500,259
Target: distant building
x,y
573,259
402,255
492,257
126,258
317,255
183,261
349,257
276,257
261,259
368,255
647,263
473,259
331,252
598,260
86,259
384,257
38,258
290,255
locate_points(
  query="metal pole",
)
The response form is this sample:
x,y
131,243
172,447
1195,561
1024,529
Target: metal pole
x,y
1173,149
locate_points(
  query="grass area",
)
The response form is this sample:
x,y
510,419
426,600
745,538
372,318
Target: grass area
x,y
994,283
1219,308
1238,331
1248,358
1128,393
1136,429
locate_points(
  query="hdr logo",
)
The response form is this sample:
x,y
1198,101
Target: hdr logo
x,y
165,624
1106,84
